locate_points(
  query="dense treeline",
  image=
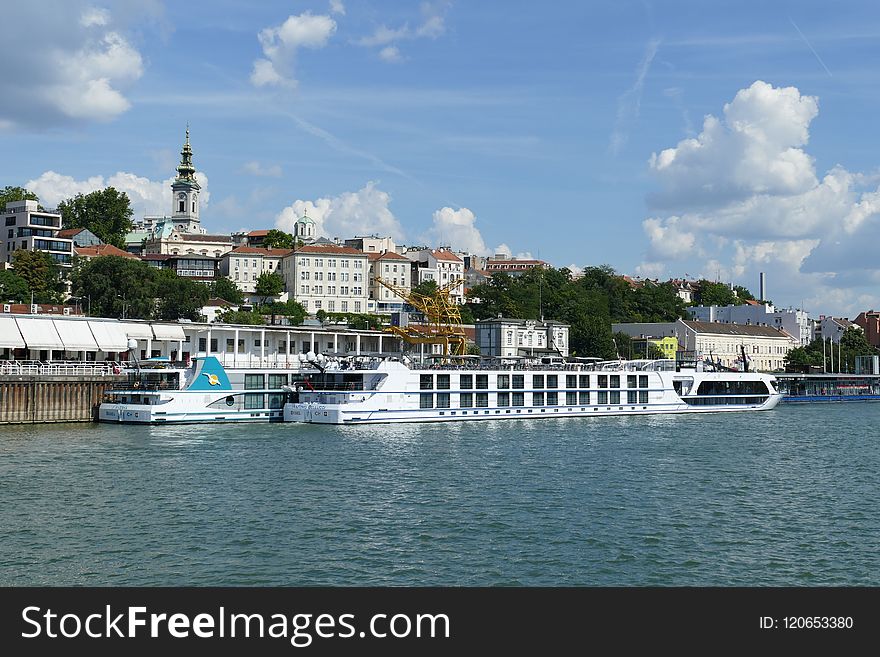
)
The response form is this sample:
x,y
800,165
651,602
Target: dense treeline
x,y
590,303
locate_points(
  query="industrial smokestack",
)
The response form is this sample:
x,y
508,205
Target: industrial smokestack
x,y
762,289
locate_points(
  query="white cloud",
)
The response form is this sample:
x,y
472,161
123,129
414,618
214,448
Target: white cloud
x,y
336,7
754,149
78,69
667,239
364,212
458,229
147,196
431,26
94,16
743,196
281,43
262,170
390,54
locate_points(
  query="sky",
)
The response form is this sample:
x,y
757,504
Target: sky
x,y
666,139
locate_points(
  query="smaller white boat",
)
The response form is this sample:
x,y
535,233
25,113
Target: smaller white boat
x,y
164,392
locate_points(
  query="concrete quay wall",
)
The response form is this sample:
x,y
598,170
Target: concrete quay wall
x,y
28,399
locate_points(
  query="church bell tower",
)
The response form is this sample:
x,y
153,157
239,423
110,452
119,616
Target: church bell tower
x,y
185,193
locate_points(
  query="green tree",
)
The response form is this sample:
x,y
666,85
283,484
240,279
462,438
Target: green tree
x,y
269,284
801,359
426,288
117,287
8,194
107,213
291,309
42,274
223,288
321,315
716,294
241,317
278,239
180,298
13,288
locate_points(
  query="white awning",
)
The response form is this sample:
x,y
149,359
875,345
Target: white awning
x,y
76,335
110,336
168,332
39,333
137,331
10,336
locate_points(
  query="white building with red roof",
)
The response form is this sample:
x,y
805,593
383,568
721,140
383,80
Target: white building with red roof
x,y
329,278
441,266
397,270
244,264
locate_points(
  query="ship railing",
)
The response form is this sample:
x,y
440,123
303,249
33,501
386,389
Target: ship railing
x,y
64,368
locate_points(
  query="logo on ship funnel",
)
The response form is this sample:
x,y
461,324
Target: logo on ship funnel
x,y
213,379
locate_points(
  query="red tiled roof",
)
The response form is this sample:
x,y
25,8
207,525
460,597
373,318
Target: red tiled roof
x,y
102,250
258,233
67,233
390,255
254,250
445,255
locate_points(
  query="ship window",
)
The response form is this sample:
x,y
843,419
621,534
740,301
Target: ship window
x,y
552,398
482,381
253,382
277,380
632,396
442,382
643,380
584,398
203,343
615,381
603,380
503,381
466,400
519,399
504,399
519,381
643,396
615,396
585,381
442,400
482,399
466,381
571,381
571,398
552,381
603,396
537,398
426,400
538,381
426,382
631,380
230,401
253,401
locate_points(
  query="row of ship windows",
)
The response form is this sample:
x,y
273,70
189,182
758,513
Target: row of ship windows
x,y
517,381
481,399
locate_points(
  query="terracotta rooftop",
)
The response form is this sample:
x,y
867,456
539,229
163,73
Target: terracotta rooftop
x,y
102,250
255,250
387,255
258,233
445,255
67,233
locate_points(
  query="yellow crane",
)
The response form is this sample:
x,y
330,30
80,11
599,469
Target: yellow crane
x,y
442,317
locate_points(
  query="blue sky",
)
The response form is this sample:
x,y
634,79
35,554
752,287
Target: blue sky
x,y
576,132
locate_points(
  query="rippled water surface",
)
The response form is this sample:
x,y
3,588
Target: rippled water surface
x,y
787,497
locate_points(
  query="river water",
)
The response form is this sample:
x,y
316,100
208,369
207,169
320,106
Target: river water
x,y
786,497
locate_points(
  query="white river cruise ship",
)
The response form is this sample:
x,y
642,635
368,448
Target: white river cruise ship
x,y
390,390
